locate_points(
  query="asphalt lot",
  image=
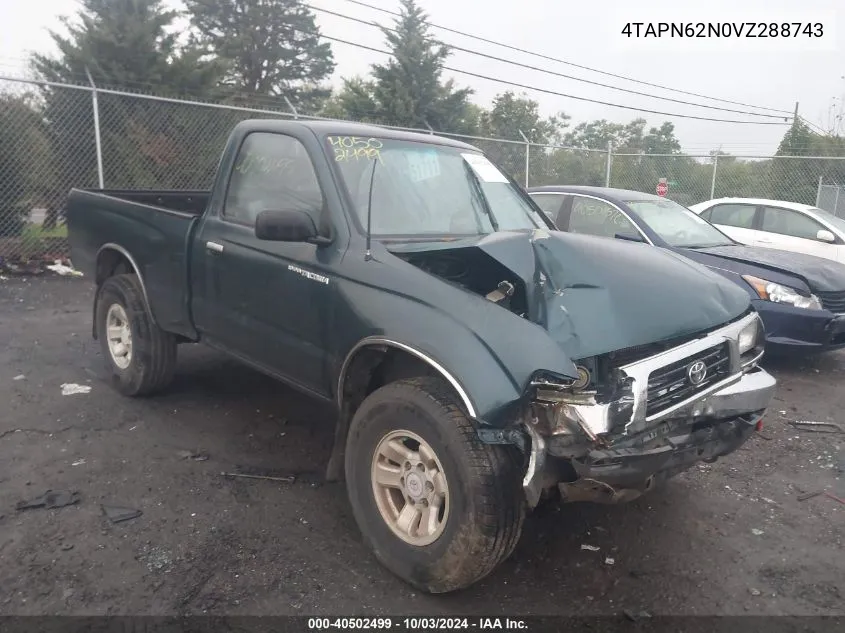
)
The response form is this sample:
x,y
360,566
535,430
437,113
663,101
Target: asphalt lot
x,y
727,538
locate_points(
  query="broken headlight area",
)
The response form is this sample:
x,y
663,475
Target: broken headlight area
x,y
751,343
627,419
585,409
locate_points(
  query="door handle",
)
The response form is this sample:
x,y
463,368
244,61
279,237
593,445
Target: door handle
x,y
214,246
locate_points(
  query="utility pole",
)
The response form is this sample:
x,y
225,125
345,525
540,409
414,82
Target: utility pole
x,y
527,155
795,116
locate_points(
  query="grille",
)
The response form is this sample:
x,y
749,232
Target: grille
x,y
671,384
833,301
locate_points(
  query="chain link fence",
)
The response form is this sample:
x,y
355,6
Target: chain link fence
x,y
831,198
50,135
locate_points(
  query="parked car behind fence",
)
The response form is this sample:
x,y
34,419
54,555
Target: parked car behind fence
x,y
788,226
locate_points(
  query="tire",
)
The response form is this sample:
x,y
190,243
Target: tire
x,y
149,366
484,508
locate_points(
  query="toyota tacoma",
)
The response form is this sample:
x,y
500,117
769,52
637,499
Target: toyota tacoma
x,y
479,361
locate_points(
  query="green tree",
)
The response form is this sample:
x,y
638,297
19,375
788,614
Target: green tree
x,y
797,179
798,140
661,140
268,47
409,90
23,162
597,134
353,101
124,44
510,117
512,114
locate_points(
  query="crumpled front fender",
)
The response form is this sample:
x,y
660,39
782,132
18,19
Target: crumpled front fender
x,y
491,353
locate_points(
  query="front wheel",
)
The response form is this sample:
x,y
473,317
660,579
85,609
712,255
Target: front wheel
x,y
439,508
140,356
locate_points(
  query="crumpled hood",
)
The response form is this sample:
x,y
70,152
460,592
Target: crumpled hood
x,y
817,272
596,295
605,295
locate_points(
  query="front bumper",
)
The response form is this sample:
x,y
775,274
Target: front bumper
x,y
791,330
705,428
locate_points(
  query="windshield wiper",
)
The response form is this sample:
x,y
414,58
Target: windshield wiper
x,y
695,247
479,195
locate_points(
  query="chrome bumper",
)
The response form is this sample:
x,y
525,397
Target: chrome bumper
x,y
629,413
747,390
752,393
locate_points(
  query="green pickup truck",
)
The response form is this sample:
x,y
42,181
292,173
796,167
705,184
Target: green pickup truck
x,y
479,361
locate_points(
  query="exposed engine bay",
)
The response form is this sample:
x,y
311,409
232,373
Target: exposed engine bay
x,y
476,271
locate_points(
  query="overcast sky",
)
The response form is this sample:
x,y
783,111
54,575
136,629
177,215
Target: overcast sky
x,y
771,72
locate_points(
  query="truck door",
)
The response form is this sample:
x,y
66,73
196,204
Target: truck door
x,y
267,302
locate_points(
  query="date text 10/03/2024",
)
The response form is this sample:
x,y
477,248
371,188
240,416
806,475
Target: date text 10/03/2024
x,y
417,623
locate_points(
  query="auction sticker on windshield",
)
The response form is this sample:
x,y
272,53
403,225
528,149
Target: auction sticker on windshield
x,y
422,165
484,169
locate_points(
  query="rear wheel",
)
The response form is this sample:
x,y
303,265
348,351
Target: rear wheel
x,y
439,508
140,356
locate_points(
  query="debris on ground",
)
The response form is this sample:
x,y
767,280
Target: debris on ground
x,y
65,271
156,558
78,462
826,427
197,457
116,514
590,548
23,267
71,388
609,561
19,377
834,497
634,617
289,480
756,532
818,493
50,499
755,592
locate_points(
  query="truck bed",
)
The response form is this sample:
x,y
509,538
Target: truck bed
x,y
188,201
152,229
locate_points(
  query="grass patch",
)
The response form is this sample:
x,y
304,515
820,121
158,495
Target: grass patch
x,y
34,232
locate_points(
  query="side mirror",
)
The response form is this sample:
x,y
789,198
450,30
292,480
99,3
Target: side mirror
x,y
825,236
287,226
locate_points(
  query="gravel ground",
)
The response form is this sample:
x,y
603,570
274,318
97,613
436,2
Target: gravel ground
x,y
728,538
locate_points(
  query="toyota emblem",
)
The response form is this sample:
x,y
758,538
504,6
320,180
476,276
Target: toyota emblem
x,y
697,372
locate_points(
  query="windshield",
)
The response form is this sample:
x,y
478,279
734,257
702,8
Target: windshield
x,y
830,218
426,189
677,225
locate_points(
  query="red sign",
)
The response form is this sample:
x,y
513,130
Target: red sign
x,y
662,189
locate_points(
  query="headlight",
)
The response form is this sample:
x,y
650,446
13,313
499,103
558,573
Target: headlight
x,y
748,336
770,291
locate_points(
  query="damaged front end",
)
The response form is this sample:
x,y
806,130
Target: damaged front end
x,y
635,417
637,364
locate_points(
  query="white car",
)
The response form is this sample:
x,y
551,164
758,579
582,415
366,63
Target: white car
x,y
787,226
